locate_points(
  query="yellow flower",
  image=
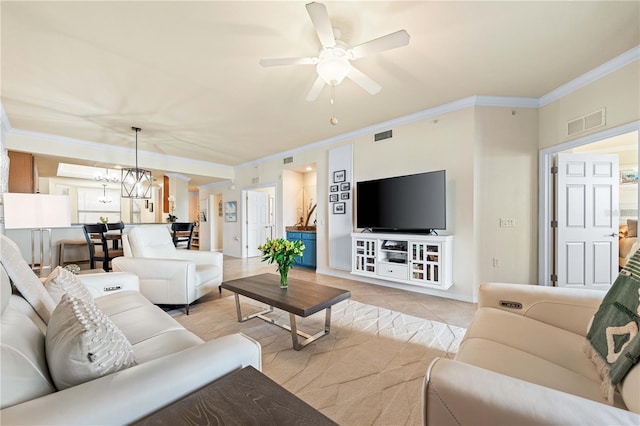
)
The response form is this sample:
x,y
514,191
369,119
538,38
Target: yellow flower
x,y
281,251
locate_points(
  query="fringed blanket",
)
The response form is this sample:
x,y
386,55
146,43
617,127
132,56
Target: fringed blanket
x,y
613,342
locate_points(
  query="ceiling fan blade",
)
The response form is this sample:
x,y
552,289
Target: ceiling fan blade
x,y
363,80
387,42
315,90
320,18
288,61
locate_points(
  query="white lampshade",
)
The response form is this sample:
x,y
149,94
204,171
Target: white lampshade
x,y
29,211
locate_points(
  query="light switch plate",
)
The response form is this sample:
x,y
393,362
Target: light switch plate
x,y
507,222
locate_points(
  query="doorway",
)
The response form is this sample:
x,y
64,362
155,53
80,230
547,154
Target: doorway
x,y
622,141
259,223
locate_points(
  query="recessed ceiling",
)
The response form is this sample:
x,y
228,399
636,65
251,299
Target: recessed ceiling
x,y
188,72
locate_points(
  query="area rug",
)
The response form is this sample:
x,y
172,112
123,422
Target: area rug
x,y
368,371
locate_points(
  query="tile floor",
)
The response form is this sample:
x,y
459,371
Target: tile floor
x,y
420,305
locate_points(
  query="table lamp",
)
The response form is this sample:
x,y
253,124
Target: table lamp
x,y
40,213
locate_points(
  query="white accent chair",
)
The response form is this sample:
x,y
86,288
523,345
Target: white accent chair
x,y
168,276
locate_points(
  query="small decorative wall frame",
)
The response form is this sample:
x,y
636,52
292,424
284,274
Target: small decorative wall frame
x,y
339,176
345,186
629,175
333,188
339,208
231,211
333,198
344,195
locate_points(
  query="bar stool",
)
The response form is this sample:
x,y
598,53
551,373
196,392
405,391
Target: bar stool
x,y
70,244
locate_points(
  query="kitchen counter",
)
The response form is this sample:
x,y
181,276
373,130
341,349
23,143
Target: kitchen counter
x,y
308,229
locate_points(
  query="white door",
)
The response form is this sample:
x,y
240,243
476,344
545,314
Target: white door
x,y
587,214
258,226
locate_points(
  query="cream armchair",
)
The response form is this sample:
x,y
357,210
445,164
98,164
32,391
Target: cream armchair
x,y
167,275
522,362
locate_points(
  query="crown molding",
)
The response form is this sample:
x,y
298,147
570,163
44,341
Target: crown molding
x,y
178,176
589,77
225,182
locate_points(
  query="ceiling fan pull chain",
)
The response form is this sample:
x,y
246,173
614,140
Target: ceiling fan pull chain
x,y
334,119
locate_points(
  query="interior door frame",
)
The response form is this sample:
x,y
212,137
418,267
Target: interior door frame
x,y
243,212
545,193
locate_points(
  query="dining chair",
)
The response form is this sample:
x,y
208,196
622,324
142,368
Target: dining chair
x,y
115,237
182,232
95,234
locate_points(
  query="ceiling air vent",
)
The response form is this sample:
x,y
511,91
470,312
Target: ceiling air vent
x,y
382,136
586,122
288,160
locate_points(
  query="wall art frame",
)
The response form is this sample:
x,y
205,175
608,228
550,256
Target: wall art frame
x,y
231,211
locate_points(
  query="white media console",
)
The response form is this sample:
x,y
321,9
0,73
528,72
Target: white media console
x,y
421,260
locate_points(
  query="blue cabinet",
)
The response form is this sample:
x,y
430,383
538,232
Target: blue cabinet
x,y
309,253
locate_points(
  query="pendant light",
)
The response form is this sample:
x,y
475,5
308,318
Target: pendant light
x,y
104,199
136,183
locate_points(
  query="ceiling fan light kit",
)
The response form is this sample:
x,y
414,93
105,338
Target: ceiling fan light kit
x,y
334,60
136,183
333,65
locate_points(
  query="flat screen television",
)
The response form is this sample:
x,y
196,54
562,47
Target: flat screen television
x,y
413,203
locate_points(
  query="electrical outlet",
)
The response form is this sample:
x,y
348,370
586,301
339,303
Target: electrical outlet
x,y
507,222
496,263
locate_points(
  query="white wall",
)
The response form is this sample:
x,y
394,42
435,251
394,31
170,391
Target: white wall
x,y
291,200
618,92
179,188
506,174
416,147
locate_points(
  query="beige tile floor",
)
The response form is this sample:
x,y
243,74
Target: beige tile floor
x,y
420,305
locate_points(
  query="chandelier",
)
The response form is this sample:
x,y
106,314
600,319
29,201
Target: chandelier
x,y
104,199
136,183
107,177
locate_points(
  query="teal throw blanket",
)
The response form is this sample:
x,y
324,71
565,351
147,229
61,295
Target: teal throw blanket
x,y
613,342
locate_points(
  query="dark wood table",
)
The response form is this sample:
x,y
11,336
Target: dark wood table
x,y
300,298
244,397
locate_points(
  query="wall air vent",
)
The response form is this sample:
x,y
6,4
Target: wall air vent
x,y
587,122
288,160
382,136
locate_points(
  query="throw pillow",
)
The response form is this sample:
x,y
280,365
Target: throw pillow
x,y
62,281
632,227
23,278
613,341
82,344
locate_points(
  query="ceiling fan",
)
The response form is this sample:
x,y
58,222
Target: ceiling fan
x,y
333,63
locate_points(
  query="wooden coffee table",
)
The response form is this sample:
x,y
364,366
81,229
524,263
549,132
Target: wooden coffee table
x,y
300,298
244,397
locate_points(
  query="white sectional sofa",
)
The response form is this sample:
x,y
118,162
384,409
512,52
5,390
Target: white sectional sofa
x,y
171,362
522,362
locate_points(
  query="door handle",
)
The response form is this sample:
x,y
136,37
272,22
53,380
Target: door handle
x,y
615,234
